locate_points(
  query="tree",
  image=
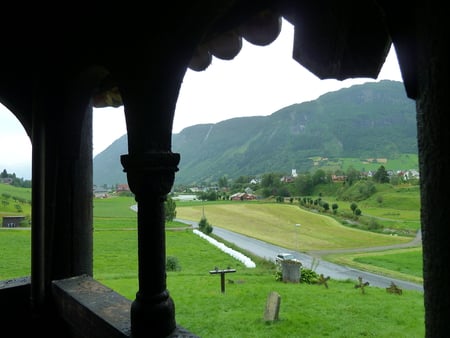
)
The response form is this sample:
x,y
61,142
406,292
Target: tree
x,y
353,206
170,209
381,175
270,180
334,207
210,195
352,175
304,184
319,176
204,226
223,182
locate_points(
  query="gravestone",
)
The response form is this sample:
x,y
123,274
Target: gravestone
x,y
291,271
272,307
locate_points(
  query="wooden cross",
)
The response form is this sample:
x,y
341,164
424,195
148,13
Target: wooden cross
x,y
323,280
222,276
394,289
361,285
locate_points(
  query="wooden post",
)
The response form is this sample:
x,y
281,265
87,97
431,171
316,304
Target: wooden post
x,y
222,276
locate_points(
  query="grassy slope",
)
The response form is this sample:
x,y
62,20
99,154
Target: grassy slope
x,y
8,204
275,223
320,232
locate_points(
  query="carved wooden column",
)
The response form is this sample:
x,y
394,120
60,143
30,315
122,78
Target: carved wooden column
x,y
434,163
61,233
149,89
150,177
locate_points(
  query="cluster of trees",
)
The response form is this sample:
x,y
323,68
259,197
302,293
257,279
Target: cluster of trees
x,y
14,180
271,184
304,184
308,202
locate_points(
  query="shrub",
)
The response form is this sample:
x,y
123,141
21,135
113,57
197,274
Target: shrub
x,y
204,226
172,264
308,276
374,225
278,275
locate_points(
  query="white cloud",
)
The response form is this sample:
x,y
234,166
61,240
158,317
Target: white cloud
x,y
15,145
108,125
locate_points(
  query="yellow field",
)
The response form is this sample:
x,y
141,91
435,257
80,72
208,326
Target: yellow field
x,y
276,223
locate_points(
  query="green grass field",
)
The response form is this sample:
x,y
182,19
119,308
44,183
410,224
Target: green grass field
x,y
275,223
15,201
306,310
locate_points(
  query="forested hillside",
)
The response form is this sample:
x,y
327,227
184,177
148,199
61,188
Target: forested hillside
x,y
368,121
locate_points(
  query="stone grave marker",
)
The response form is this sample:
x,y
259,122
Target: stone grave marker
x,y
291,271
272,307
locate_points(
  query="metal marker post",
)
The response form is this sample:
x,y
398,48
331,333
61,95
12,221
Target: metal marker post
x,y
222,276
297,235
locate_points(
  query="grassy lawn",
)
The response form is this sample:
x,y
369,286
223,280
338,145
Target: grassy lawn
x,y
306,310
15,253
404,264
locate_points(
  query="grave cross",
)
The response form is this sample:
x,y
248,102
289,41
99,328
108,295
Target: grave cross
x,y
323,280
222,276
361,285
394,289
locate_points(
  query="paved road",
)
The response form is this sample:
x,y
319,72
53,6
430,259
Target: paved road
x,y
339,272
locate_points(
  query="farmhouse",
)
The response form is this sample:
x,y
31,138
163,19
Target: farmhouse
x,y
122,187
242,196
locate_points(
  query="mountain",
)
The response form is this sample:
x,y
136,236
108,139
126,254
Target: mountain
x,y
371,120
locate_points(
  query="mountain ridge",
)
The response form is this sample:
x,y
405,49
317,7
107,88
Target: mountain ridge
x,y
369,120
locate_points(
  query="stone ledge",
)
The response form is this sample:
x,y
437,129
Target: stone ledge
x,y
94,310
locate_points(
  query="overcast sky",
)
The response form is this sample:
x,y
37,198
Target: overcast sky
x,y
258,81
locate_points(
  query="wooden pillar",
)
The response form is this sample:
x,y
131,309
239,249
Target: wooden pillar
x,y
149,90
62,242
434,163
38,242
150,178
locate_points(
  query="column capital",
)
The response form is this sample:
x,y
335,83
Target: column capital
x,y
152,172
